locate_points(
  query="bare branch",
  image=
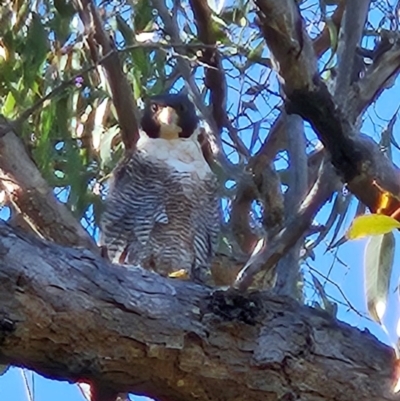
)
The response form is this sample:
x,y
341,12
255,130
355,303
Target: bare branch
x,y
100,45
172,30
272,145
32,197
366,170
288,266
294,229
350,36
65,314
215,79
383,69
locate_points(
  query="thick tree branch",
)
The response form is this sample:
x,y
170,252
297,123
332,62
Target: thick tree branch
x,y
69,315
260,166
283,29
367,171
276,138
100,44
32,197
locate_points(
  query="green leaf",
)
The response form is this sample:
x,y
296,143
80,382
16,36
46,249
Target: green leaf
x,y
255,54
218,31
378,265
140,60
62,117
8,107
371,224
143,15
35,51
44,150
61,22
125,29
64,8
78,177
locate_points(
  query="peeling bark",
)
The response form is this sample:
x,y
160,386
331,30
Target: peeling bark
x,y
70,315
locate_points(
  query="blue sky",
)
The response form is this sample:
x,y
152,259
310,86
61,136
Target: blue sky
x,y
344,267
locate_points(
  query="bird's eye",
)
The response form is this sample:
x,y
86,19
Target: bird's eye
x,y
182,107
153,107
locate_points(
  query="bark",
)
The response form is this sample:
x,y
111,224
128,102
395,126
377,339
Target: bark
x,y
361,165
70,315
349,62
100,45
214,76
32,198
288,267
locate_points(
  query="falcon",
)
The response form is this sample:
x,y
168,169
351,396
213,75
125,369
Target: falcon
x,y
162,210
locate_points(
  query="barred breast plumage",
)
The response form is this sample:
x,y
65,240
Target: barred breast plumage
x,y
162,211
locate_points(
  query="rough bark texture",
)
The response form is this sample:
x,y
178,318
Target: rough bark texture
x,y
69,315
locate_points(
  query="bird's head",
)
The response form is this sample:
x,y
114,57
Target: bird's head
x,y
169,116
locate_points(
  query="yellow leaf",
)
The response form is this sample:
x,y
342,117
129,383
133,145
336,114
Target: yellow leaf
x,y
371,224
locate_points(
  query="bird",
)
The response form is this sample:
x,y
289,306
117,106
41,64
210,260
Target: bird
x,y
162,211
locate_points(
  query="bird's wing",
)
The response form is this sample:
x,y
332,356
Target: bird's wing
x,y
207,228
133,206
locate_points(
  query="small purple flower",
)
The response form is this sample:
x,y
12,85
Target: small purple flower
x,y
79,82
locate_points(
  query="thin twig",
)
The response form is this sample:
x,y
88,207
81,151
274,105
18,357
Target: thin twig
x,y
27,387
353,308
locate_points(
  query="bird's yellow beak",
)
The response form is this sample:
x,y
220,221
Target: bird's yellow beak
x,y
168,119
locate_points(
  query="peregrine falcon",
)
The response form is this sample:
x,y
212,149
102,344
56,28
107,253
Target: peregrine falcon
x,y
162,210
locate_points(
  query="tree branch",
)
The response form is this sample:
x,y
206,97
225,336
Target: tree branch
x,y
279,245
383,69
32,197
215,79
288,267
70,315
367,171
350,36
172,29
100,45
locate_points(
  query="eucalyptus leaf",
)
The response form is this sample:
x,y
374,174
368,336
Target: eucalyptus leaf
x,y
378,265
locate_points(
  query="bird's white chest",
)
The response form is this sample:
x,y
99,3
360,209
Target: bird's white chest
x,y
183,155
